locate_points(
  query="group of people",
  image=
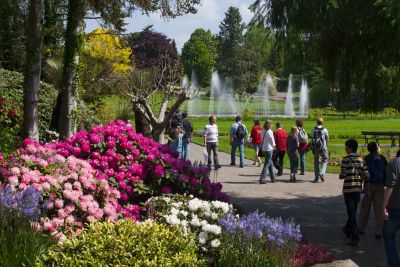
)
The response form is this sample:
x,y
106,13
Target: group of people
x,y
179,133
371,180
374,182
273,146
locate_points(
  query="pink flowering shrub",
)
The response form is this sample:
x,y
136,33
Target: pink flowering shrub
x,y
71,192
134,167
137,166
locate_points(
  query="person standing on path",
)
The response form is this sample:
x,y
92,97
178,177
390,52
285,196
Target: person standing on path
x,y
211,141
292,144
280,137
303,141
319,147
373,189
353,172
237,135
267,148
256,140
187,136
391,210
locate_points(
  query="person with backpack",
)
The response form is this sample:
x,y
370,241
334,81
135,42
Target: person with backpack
x,y
237,135
319,147
353,172
267,148
391,210
280,137
373,190
187,136
303,141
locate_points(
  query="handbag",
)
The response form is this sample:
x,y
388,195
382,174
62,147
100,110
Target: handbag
x,y
260,152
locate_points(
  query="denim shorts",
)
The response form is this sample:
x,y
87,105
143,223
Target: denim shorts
x,y
257,146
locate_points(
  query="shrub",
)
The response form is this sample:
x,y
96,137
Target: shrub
x,y
114,107
71,193
257,240
11,96
310,254
192,215
126,243
20,244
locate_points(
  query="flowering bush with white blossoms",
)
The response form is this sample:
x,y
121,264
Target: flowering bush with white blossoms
x,y
192,215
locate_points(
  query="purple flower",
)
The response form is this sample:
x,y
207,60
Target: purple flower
x,y
26,201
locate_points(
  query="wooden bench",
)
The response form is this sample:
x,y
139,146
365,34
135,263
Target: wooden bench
x,y
391,136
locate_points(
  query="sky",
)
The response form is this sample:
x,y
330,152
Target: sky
x,y
209,15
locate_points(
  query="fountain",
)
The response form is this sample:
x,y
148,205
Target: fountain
x,y
289,110
262,96
214,91
193,103
304,101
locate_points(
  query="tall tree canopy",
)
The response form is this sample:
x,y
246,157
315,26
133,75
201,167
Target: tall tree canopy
x,y
199,55
351,39
235,59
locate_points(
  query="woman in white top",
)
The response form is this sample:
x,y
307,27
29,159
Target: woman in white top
x,y
267,148
211,141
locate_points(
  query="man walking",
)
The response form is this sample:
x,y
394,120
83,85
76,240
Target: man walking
x,y
280,137
319,146
211,141
391,210
376,164
237,135
187,136
353,172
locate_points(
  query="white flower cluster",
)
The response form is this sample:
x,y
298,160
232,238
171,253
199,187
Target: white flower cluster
x,y
197,216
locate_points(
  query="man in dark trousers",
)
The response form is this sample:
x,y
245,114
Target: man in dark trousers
x,y
187,136
280,136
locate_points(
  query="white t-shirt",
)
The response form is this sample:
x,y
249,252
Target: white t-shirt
x,y
211,133
268,141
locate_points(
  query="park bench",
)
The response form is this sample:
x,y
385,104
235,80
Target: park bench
x,y
391,136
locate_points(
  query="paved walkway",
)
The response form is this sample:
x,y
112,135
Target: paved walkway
x,y
318,208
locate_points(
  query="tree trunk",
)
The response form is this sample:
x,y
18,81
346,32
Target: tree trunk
x,y
33,68
141,124
74,39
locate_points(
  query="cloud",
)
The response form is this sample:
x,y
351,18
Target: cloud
x,y
247,15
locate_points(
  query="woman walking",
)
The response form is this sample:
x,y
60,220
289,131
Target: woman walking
x,y
256,141
303,141
292,144
267,147
211,141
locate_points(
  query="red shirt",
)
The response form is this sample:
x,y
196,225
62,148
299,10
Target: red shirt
x,y
280,136
256,134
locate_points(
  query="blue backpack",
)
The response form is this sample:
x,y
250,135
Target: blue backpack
x,y
377,169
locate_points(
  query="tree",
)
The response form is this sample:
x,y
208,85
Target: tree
x,y
349,39
13,16
152,51
199,55
235,60
105,60
150,88
113,14
33,68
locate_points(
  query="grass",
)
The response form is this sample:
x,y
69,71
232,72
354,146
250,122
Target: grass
x,y
339,131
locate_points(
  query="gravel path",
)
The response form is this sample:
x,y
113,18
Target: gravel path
x,y
318,208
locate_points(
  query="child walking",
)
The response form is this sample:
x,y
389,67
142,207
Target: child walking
x,y
292,144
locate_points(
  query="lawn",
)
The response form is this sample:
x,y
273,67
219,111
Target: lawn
x,y
339,131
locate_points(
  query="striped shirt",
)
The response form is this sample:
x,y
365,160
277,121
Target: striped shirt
x,y
354,172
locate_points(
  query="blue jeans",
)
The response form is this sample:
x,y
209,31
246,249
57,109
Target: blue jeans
x,y
390,228
352,200
237,143
303,160
294,163
323,152
267,166
185,152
